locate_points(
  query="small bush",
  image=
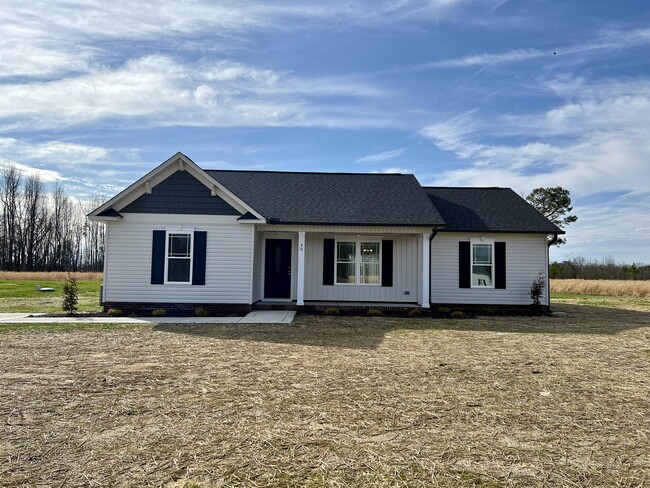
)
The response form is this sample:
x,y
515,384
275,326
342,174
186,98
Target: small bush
x,y
332,311
373,312
70,294
536,290
457,314
115,312
201,312
159,312
444,309
416,312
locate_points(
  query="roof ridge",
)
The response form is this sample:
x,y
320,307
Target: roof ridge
x,y
308,172
469,187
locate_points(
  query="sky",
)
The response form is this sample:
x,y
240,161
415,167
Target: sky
x,y
519,94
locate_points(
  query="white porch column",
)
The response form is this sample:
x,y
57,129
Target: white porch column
x,y
301,269
425,299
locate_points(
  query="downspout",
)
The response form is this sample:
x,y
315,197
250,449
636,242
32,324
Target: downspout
x,y
433,234
548,270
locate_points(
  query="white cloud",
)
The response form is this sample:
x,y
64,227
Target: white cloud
x,y
606,41
167,92
52,151
46,175
395,170
64,36
382,156
599,142
483,59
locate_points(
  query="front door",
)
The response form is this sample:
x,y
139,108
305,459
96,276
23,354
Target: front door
x,y
277,268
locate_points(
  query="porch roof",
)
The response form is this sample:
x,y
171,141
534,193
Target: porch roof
x,y
332,198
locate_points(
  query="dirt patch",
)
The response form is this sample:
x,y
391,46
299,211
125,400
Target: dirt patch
x,y
494,401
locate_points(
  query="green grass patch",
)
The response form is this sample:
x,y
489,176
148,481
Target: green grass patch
x,y
22,296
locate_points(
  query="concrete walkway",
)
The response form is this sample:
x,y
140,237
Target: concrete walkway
x,y
258,317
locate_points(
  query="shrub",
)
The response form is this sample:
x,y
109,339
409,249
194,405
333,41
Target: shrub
x,y
159,312
536,290
201,312
70,294
115,312
457,314
332,311
373,312
416,312
444,309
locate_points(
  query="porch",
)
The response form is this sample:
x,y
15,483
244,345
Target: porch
x,y
339,266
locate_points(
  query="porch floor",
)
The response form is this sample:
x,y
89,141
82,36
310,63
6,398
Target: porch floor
x,y
321,305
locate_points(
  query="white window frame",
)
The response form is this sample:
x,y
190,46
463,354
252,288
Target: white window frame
x,y
167,258
481,240
357,258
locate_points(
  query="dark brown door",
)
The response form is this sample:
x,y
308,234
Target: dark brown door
x,y
277,268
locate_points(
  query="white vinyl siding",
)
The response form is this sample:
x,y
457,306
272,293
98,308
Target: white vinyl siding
x,y
525,257
128,263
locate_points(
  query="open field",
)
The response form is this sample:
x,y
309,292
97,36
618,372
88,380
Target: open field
x,y
21,296
494,401
630,288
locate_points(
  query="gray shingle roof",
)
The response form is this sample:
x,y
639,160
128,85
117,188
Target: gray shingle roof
x,y
332,198
488,209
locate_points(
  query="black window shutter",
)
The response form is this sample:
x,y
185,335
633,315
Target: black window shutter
x,y
387,263
328,262
198,258
464,265
500,265
158,258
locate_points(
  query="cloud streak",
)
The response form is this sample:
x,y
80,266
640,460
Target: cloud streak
x,y
382,156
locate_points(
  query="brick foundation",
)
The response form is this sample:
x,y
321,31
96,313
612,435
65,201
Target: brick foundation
x,y
180,309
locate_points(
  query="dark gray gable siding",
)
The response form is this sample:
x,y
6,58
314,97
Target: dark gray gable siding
x,y
488,209
332,198
180,193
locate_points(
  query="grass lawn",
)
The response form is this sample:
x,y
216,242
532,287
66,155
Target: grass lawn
x,y
21,296
339,401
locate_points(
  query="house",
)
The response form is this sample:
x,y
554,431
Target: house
x,y
182,237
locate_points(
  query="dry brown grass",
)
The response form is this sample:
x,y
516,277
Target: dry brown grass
x,y
338,401
47,276
617,288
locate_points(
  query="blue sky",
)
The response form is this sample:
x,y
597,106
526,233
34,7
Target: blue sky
x,y
474,93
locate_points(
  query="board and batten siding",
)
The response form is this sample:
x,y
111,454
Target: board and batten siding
x,y
525,257
128,260
405,273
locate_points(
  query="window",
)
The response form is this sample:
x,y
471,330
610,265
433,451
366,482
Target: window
x,y
358,262
482,265
346,259
179,257
369,263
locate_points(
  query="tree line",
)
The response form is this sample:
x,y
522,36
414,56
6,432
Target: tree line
x,y
44,231
593,269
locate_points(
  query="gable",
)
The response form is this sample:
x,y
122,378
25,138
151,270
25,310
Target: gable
x,y
180,193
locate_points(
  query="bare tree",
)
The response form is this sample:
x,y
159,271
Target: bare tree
x,y
34,223
10,180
